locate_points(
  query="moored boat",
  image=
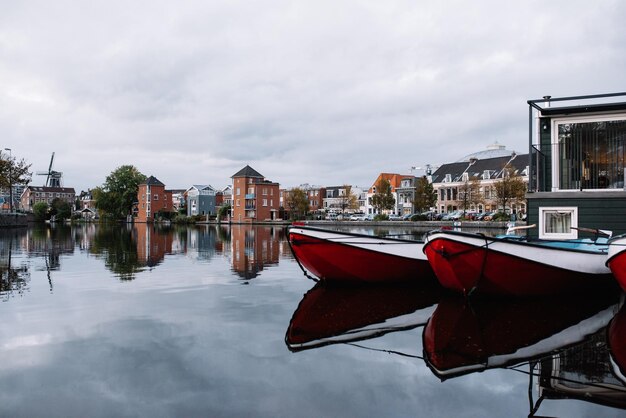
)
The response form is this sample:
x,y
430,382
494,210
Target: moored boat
x,y
341,314
514,265
616,260
347,257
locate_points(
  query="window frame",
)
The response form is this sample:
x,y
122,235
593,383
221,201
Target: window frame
x,y
573,234
554,146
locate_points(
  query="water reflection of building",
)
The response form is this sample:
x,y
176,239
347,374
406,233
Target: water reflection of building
x,y
254,248
581,372
152,243
201,242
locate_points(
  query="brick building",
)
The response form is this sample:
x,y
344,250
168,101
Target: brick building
x,y
254,198
152,198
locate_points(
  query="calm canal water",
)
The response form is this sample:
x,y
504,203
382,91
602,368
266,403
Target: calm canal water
x,y
207,321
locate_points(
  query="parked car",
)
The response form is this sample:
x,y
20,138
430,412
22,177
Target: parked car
x,y
395,217
453,216
408,217
481,216
358,217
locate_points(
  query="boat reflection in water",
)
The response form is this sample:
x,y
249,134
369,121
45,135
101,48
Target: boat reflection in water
x,y
464,335
571,347
333,314
617,343
562,341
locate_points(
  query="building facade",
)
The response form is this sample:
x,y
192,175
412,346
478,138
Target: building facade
x,y
577,165
254,198
152,200
201,200
35,194
395,182
469,184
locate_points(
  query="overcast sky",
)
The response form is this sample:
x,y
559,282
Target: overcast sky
x,y
320,92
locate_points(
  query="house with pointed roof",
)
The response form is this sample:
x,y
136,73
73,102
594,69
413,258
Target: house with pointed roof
x,y
201,200
255,199
395,181
484,168
152,200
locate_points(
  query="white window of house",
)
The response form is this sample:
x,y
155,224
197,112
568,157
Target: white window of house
x,y
264,202
448,178
486,175
558,222
265,191
271,202
588,153
250,190
238,202
156,197
465,176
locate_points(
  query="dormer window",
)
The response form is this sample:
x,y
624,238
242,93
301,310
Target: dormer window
x,y
486,175
448,178
465,177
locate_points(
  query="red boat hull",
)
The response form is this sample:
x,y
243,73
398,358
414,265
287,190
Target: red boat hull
x,y
340,262
617,260
466,268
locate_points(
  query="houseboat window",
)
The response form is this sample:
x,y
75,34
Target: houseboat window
x,y
558,222
590,154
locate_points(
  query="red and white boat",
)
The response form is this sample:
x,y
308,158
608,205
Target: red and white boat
x,y
336,256
516,266
343,314
616,260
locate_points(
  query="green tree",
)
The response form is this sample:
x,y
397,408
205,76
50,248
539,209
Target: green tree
x,y
348,199
383,198
119,192
425,195
298,203
510,188
60,208
40,210
469,194
223,212
13,172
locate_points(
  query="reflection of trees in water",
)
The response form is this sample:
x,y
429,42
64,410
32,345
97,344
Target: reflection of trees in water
x,y
118,248
13,279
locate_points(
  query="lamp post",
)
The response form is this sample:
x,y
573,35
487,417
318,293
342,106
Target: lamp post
x,y
10,180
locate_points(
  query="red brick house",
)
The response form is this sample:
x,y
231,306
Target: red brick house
x,y
254,198
152,198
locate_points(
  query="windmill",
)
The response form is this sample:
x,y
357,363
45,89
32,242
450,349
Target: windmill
x,y
53,178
